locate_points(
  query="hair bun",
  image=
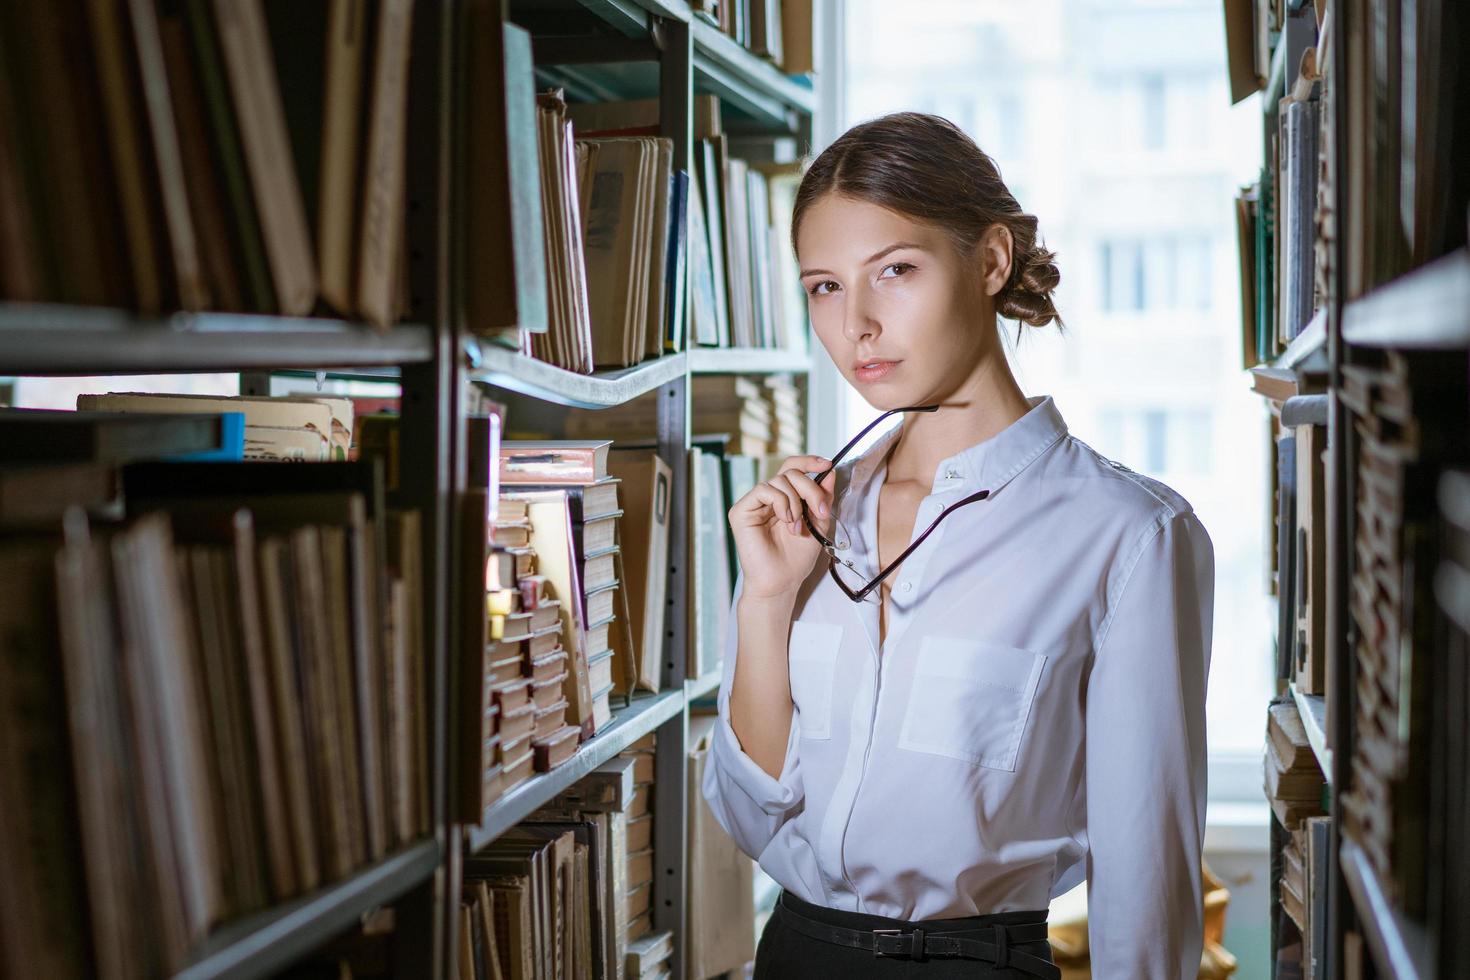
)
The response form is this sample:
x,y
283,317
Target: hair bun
x,y
1027,297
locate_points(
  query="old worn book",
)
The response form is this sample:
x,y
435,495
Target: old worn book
x,y
555,748
275,428
515,724
549,720
106,436
548,665
549,691
552,461
512,694
647,484
383,175
245,48
505,243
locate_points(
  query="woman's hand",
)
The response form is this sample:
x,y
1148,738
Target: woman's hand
x,y
776,549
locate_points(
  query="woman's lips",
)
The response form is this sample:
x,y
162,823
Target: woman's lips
x,y
877,372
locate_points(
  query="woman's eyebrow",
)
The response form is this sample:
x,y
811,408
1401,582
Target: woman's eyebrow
x,y
868,261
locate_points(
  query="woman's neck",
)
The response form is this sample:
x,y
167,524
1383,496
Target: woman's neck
x,y
986,403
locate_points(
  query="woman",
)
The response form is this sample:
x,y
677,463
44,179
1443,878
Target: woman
x,y
924,762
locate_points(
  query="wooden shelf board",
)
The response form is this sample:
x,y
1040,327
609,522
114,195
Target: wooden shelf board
x,y
503,368
628,726
262,944
1313,709
49,338
1427,308
1400,947
747,360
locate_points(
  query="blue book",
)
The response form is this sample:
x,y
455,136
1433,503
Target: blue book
x,y
677,266
231,442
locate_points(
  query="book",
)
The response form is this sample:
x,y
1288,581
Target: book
x,y
50,436
555,749
559,461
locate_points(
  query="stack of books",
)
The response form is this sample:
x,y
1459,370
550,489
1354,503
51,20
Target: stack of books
x,y
571,502
788,422
237,701
232,156
763,417
1391,396
638,814
1293,780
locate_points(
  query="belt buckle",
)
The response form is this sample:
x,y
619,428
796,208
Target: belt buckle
x,y
884,932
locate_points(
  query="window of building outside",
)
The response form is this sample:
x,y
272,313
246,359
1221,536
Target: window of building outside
x,y
1132,383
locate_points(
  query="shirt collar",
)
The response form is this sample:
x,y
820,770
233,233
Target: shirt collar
x,y
989,464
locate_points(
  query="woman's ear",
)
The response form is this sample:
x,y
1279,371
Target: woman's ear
x,y
994,252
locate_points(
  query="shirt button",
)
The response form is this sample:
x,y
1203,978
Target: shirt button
x,y
952,474
906,586
841,544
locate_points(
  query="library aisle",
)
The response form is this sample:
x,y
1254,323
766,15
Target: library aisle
x,y
513,281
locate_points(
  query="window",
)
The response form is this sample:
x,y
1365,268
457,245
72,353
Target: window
x,y
1166,273
1163,441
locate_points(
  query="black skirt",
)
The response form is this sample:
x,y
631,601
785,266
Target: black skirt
x,y
786,951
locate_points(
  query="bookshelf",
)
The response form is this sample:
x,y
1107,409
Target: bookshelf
x,y
598,50
1380,246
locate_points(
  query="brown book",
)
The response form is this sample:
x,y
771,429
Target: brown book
x,y
502,669
509,535
178,223
647,483
256,98
547,692
556,748
58,138
206,194
516,723
298,771
383,168
516,770
549,665
43,895
512,694
549,720
336,217
162,685
503,207
43,493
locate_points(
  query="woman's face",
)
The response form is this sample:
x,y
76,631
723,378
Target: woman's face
x,y
901,314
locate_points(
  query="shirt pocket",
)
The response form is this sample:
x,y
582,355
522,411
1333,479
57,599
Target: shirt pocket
x,y
970,700
812,656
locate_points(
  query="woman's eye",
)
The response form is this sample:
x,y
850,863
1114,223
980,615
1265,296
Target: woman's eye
x,y
816,289
898,265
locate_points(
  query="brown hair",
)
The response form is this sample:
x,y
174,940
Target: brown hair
x,y
924,166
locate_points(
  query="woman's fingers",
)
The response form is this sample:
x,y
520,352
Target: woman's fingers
x,y
782,484
763,497
817,496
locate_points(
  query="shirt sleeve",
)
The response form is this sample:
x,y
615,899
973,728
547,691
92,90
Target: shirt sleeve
x,y
1146,776
746,801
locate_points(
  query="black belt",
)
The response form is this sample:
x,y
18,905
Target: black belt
x,y
918,943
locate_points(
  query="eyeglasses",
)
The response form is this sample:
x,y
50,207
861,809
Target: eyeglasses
x,y
860,591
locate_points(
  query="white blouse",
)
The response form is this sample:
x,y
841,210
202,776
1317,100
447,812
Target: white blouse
x,y
1037,712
